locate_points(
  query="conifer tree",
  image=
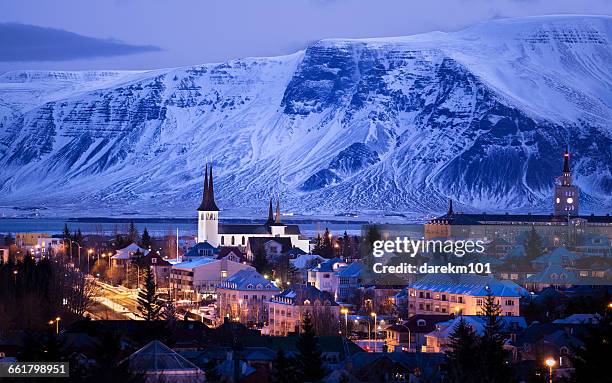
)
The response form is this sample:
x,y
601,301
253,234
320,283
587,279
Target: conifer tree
x,y
133,233
461,365
533,245
149,305
309,362
145,240
327,249
260,260
591,355
347,246
283,369
493,366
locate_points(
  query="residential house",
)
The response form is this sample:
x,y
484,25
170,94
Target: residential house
x,y
199,277
242,297
287,309
321,276
410,334
439,339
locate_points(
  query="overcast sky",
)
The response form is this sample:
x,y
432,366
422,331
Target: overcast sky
x,y
146,34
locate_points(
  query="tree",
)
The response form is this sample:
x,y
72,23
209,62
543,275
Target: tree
x,y
149,305
533,245
309,362
283,369
78,236
260,260
145,240
327,248
591,357
493,366
347,246
132,233
461,366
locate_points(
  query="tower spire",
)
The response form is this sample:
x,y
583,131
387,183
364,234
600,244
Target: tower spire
x,y
566,166
450,207
211,192
205,191
270,214
278,219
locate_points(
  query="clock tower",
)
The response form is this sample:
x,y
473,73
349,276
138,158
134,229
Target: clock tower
x,y
566,194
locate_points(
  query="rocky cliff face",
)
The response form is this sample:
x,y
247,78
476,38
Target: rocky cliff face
x,y
378,125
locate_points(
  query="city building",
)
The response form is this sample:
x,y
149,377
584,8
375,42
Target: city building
x,y
410,334
242,297
122,257
271,247
566,195
209,229
439,339
462,294
287,309
348,282
198,278
321,276
563,226
156,362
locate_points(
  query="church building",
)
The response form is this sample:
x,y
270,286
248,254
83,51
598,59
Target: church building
x,y
219,235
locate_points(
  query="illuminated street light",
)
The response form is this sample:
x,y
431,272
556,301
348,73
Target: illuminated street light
x,y
550,362
373,314
345,311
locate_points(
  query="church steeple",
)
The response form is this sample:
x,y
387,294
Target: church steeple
x,y
208,196
278,217
450,207
203,204
270,220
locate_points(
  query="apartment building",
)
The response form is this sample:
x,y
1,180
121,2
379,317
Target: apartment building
x,y
462,294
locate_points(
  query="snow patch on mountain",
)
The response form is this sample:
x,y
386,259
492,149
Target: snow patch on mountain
x,y
386,125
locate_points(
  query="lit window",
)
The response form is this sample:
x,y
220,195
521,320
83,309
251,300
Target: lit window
x,y
558,200
570,200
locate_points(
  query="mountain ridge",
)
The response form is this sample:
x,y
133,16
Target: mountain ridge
x,y
369,125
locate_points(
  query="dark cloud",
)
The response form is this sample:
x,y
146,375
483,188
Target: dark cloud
x,y
20,42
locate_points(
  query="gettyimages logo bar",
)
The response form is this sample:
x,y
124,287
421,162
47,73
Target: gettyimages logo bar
x,y
532,255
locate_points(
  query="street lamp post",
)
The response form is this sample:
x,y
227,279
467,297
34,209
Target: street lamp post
x,y
550,362
15,272
89,253
344,311
375,327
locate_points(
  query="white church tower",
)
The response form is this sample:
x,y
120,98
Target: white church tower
x,y
208,212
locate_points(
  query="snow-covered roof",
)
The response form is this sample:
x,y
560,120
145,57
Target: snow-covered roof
x,y
469,284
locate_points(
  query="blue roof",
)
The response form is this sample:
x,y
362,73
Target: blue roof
x,y
558,256
195,250
469,284
352,270
328,265
554,274
297,294
248,280
195,262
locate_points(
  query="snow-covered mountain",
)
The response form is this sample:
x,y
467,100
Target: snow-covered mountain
x,y
373,125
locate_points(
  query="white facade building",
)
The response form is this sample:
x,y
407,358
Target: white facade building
x,y
211,231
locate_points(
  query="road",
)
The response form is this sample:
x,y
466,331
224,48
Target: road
x,y
114,302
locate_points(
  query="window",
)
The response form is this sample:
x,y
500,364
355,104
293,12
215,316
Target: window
x,y
443,297
420,294
233,240
246,297
460,299
421,323
478,302
222,240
